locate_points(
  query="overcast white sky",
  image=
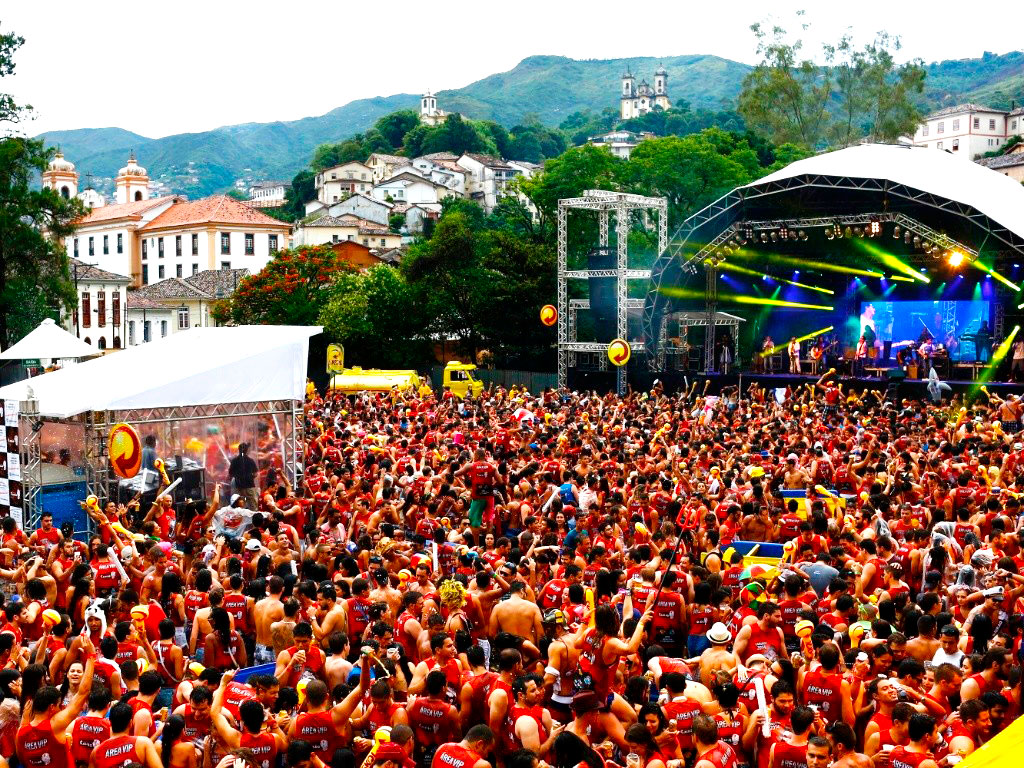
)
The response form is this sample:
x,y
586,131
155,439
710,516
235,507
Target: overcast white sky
x,y
159,68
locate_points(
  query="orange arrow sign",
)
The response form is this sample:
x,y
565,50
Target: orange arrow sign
x,y
619,352
548,314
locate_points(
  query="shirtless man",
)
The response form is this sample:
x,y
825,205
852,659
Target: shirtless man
x,y
337,667
153,583
517,616
844,748
562,659
265,613
281,631
331,616
925,644
758,526
794,477
718,656
383,592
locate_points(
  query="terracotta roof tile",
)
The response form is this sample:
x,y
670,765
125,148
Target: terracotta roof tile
x,y
217,282
218,209
85,271
131,210
135,301
171,288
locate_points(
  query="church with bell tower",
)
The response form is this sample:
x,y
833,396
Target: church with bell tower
x,y
639,99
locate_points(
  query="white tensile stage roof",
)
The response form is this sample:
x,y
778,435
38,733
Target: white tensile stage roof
x,y
930,170
200,366
50,341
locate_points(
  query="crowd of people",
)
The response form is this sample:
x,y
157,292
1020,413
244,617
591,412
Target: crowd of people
x,y
556,579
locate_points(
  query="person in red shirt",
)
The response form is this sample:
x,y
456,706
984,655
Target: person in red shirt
x,y
483,476
122,749
790,750
711,752
763,636
916,754
479,740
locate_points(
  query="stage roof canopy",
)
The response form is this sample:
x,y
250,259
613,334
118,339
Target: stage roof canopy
x,y
933,171
48,340
201,366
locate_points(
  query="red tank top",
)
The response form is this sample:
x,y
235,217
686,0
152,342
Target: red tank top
x,y
237,606
263,746
825,691
107,576
408,643
601,673
730,728
314,663
766,642
235,694
790,614
480,687
901,758
194,600
318,729
196,728
537,713
700,618
789,756
721,756
454,756
137,703
116,752
225,658
87,733
453,678
428,717
683,712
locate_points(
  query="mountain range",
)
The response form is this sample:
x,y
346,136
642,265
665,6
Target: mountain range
x,y
549,88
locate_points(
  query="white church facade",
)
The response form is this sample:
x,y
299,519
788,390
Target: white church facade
x,y
639,99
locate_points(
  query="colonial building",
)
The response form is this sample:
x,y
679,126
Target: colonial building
x,y
637,100
268,194
487,178
177,304
620,143
1011,164
100,317
410,187
429,113
969,130
335,229
383,166
337,183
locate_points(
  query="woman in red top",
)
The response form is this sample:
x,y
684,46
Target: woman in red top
x,y
642,743
224,646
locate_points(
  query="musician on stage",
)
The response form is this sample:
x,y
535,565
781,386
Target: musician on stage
x,y
982,342
817,353
862,355
794,355
1017,364
765,357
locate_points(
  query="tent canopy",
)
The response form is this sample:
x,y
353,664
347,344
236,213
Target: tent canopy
x,y
201,366
49,340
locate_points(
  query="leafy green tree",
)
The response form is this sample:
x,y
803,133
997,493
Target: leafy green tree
x,y
457,136
500,136
35,273
568,175
236,194
290,290
394,126
302,190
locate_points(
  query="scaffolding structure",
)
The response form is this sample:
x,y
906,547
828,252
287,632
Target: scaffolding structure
x,y
605,203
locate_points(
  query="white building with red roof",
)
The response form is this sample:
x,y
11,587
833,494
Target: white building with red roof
x,y
150,239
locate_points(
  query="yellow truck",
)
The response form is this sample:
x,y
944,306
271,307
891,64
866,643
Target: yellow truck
x,y
458,379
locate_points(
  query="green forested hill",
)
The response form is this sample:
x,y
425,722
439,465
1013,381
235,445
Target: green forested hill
x,y
549,88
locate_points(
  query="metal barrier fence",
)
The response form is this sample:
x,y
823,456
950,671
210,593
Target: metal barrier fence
x,y
534,381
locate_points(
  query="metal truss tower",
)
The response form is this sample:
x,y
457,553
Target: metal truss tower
x,y
605,203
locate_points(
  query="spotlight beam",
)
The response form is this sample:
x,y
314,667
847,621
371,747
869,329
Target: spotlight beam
x,y
997,357
889,260
755,273
810,335
689,293
778,258
989,271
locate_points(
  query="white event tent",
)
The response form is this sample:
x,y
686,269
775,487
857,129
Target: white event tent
x,y
197,393
50,341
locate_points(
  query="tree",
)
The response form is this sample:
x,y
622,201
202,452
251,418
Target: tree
x,y
850,94
302,190
290,290
785,96
236,194
568,175
394,126
35,273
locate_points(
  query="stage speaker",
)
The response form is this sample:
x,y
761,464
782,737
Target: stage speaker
x,y
895,374
192,486
603,304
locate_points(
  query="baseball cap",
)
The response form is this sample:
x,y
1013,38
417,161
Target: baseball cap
x,y
792,457
234,497
253,545
996,592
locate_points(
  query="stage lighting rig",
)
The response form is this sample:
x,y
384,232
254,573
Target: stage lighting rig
x,y
896,232
784,232
955,258
874,227
748,232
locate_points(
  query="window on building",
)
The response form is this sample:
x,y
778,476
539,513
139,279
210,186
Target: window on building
x,y
334,238
160,271
146,330
1013,125
195,269
160,248
177,245
225,265
382,241
177,270
101,309
225,243
942,127
366,241
250,243
120,243
991,125
86,309
106,245
145,248
117,342
131,333
92,247
115,309
87,340
990,142
145,274
163,327
102,343
272,242
956,125
76,247
956,144
195,245
939,145
977,122
182,318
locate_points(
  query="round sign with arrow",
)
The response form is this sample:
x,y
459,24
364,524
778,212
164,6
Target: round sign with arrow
x,y
548,314
125,450
618,352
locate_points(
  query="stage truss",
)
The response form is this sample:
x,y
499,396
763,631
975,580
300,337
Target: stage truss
x,y
98,479
605,203
708,230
